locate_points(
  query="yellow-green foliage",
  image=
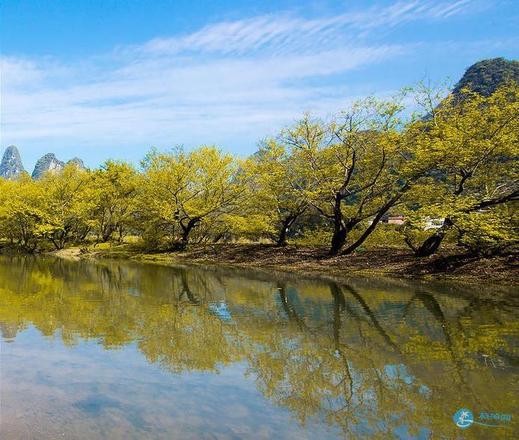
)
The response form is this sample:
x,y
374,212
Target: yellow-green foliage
x,y
489,231
470,146
184,192
318,182
314,237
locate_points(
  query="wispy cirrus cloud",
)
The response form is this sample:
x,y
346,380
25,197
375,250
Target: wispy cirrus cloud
x,y
289,33
234,80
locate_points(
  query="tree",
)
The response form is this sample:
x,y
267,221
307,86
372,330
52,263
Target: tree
x,y
114,186
489,232
360,165
183,189
472,145
68,203
277,188
21,212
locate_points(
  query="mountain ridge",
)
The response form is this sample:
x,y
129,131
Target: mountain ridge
x,y
11,166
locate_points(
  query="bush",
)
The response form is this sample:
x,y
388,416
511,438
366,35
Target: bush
x,y
315,237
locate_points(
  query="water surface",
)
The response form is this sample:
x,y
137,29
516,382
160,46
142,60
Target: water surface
x,y
119,350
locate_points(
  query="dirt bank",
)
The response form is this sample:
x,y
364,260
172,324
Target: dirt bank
x,y
314,261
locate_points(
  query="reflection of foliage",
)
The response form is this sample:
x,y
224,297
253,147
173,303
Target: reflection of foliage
x,y
368,361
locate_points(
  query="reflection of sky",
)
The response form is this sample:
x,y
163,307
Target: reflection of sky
x,y
134,291
220,309
403,433
398,373
393,375
86,390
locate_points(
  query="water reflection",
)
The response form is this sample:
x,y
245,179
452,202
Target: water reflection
x,y
245,355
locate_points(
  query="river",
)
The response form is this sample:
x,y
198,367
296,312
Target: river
x,y
121,350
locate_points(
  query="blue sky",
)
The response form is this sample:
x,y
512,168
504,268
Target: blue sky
x,y
105,79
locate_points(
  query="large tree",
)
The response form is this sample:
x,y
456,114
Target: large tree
x,y
114,188
361,166
182,189
472,146
277,188
68,204
21,212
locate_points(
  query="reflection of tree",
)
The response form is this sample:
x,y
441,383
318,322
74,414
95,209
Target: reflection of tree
x,y
434,308
376,324
8,331
368,362
288,307
355,388
186,291
339,305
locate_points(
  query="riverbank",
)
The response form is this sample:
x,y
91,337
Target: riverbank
x,y
314,261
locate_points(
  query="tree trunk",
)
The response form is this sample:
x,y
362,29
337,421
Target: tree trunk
x,y
121,231
338,240
372,226
287,224
106,234
350,249
186,231
84,233
431,245
339,228
282,239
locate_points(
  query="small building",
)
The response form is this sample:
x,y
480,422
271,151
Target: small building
x,y
395,220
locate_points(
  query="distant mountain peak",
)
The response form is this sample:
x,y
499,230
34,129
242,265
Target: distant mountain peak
x,y
485,76
11,165
78,162
47,163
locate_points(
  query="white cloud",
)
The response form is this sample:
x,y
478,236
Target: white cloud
x,y
238,80
158,99
289,33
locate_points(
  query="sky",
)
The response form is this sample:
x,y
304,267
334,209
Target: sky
x,y
104,79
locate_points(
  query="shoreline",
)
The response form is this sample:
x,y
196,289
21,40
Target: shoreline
x,y
313,262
